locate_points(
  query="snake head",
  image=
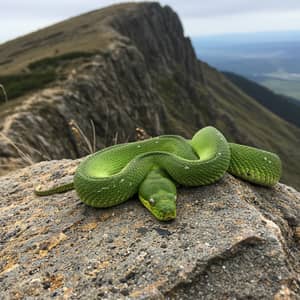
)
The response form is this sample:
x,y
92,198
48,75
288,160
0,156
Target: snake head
x,y
161,205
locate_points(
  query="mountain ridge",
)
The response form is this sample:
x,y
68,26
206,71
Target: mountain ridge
x,y
141,71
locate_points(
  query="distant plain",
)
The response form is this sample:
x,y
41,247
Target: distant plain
x,y
269,58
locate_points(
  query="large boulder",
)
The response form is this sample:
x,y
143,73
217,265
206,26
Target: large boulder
x,y
230,240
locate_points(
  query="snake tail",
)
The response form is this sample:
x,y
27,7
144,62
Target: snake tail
x,y
254,165
57,189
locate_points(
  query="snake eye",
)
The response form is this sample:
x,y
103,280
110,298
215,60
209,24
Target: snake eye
x,y
152,201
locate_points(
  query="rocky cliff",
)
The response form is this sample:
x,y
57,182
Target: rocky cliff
x,y
230,240
123,67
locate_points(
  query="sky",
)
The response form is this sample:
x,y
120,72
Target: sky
x,y
199,17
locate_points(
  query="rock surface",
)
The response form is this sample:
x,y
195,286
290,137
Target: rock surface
x,y
231,240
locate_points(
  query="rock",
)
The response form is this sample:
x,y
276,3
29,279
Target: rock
x,y
230,240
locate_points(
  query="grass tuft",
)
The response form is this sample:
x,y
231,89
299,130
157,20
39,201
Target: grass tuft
x,y
85,143
4,92
22,154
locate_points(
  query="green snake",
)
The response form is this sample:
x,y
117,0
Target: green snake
x,y
154,168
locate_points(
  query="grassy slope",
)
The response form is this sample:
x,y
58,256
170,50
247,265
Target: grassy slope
x,y
267,130
81,33
39,74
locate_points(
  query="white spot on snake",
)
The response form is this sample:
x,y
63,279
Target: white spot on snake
x,y
265,158
99,191
186,167
139,146
105,188
156,142
269,162
151,200
122,180
219,153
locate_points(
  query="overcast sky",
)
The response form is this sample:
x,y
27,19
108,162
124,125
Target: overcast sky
x,y
199,17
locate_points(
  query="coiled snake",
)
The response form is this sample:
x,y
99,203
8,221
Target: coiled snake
x,y
154,167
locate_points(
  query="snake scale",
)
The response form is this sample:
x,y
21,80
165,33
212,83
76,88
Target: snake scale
x,y
154,168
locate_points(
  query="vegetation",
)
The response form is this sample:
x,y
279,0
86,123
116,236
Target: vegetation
x,y
86,144
4,92
55,61
41,72
18,84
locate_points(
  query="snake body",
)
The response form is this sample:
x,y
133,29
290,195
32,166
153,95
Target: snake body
x,y
152,168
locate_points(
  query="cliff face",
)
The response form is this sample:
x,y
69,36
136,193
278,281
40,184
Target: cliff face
x,y
158,35
137,69
230,240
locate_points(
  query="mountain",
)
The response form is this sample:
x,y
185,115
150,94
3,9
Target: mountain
x,y
122,67
285,107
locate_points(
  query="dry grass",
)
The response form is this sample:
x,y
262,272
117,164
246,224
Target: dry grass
x,y
93,136
25,157
83,141
24,154
4,92
115,139
141,134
